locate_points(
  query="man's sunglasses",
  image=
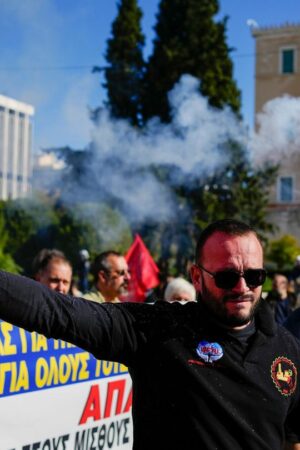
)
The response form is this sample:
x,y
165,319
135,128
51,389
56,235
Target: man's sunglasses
x,y
119,273
228,279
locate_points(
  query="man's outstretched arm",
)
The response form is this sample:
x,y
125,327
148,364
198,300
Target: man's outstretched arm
x,y
103,330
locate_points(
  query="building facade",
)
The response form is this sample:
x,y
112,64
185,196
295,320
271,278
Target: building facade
x,y
277,73
15,148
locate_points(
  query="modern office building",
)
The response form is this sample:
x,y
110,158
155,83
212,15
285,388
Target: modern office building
x,y
15,148
277,73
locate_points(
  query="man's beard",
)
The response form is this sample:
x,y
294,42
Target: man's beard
x,y
217,307
123,289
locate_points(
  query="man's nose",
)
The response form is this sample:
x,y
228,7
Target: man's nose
x,y
241,286
60,287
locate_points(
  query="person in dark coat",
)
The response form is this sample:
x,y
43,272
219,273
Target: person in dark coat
x,y
216,374
281,299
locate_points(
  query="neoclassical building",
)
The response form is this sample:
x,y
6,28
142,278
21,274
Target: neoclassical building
x,y
277,73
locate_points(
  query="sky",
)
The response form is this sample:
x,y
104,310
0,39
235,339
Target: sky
x,y
49,47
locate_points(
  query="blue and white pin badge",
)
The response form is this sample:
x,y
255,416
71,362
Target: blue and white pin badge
x,y
209,351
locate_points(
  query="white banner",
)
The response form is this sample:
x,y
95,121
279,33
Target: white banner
x,y
55,396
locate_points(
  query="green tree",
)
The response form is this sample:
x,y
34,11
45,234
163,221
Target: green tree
x,y
239,192
27,222
95,227
283,252
28,225
6,260
124,55
189,40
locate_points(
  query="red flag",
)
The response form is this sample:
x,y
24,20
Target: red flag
x,y
144,271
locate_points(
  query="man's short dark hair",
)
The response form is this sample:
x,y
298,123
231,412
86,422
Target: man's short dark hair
x,y
228,226
44,256
101,262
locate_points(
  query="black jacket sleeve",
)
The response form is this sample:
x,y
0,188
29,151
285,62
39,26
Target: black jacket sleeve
x,y
108,331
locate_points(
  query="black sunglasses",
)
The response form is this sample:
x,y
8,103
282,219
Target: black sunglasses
x,y
228,279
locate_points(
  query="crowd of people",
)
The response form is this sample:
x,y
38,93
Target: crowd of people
x,y
211,364
110,277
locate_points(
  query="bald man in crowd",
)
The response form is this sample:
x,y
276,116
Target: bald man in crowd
x,y
53,269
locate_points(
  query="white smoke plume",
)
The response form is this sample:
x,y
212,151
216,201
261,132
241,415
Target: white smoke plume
x,y
278,134
193,145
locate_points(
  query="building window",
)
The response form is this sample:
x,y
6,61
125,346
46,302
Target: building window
x,y
288,60
286,189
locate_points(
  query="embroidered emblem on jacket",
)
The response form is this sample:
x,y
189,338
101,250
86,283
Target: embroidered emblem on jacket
x,y
209,351
284,375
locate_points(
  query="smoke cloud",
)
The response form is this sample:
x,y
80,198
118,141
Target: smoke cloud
x,y
192,147
278,134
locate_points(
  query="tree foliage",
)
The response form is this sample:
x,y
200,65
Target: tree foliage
x,y
189,40
26,222
239,192
124,55
44,222
6,260
283,252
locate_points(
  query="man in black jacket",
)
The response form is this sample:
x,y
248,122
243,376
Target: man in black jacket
x,y
217,374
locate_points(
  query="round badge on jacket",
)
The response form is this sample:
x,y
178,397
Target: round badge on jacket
x,y
209,351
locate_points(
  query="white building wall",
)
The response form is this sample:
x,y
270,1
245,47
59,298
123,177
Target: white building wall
x,y
15,148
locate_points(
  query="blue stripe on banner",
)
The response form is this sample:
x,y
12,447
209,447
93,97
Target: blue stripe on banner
x,y
29,362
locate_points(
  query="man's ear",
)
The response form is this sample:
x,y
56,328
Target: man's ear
x,y
195,273
102,276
